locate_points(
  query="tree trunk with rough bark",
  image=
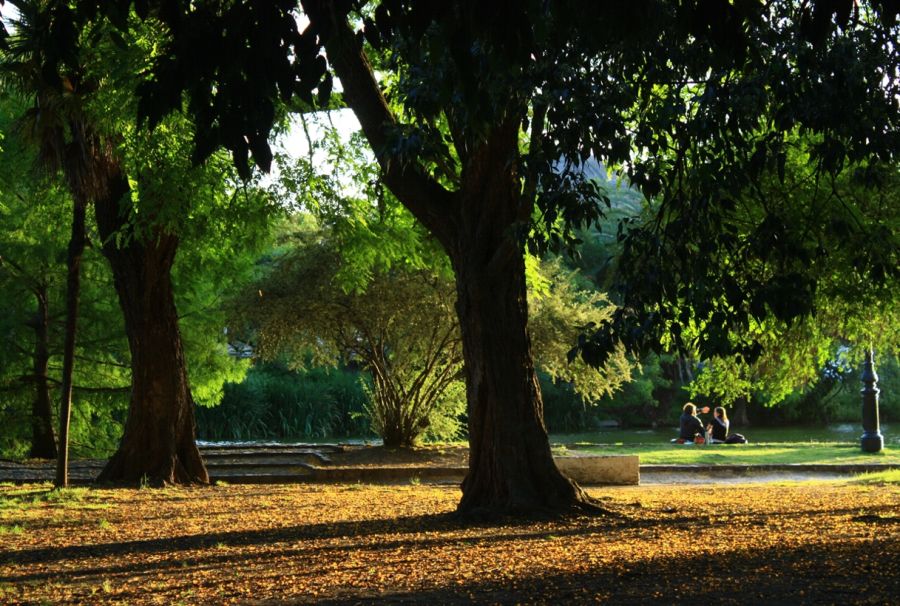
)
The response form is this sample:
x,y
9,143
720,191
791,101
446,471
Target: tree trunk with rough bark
x,y
511,467
481,226
159,443
43,442
73,285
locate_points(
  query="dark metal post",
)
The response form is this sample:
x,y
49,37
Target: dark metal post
x,y
871,440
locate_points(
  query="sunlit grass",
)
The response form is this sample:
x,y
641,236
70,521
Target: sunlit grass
x,y
891,476
747,454
44,495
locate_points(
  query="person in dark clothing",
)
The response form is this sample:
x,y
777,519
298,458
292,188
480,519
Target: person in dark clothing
x,y
690,425
718,426
718,429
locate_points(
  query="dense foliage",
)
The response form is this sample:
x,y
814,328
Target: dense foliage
x,y
276,403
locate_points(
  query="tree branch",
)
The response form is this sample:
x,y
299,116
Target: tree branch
x,y
33,284
93,389
428,201
539,114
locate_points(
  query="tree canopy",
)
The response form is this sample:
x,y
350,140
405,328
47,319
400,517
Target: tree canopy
x,y
696,102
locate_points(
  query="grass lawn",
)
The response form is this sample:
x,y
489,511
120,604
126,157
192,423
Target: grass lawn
x,y
375,544
743,454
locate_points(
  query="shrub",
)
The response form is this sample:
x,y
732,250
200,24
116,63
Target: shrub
x,y
276,403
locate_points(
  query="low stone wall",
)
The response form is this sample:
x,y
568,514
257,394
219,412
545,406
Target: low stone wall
x,y
614,469
587,470
279,468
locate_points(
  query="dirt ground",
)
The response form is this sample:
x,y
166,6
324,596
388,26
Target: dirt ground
x,y
330,544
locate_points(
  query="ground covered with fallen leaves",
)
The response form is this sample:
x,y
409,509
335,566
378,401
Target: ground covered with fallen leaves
x,y
304,543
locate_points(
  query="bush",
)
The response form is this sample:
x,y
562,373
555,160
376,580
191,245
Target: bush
x,y
274,403
652,398
97,425
94,430
445,423
564,410
15,427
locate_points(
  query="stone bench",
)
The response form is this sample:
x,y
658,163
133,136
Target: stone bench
x,y
613,469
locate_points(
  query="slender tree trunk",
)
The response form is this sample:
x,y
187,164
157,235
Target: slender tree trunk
x,y
43,442
73,284
739,413
511,467
159,443
396,437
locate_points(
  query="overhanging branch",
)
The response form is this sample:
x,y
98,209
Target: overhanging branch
x,y
428,201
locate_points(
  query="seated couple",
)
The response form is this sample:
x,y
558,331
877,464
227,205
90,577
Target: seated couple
x,y
716,432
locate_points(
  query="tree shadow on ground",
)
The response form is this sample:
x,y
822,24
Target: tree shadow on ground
x,y
200,551
411,526
839,573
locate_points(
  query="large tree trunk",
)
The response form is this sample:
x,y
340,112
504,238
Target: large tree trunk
x,y
159,444
511,468
43,442
73,285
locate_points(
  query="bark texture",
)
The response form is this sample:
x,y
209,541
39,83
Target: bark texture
x,y
511,467
158,445
43,442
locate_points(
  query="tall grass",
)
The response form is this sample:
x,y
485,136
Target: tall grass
x,y
274,403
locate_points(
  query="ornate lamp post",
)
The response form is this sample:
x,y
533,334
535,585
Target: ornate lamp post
x,y
871,440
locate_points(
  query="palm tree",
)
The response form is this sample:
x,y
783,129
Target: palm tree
x,y
57,124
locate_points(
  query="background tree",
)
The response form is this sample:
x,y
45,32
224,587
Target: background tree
x,y
851,310
562,306
400,328
67,142
169,202
373,256
138,232
749,164
33,204
29,276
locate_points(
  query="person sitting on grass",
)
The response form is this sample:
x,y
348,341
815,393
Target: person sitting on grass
x,y
690,426
718,429
718,426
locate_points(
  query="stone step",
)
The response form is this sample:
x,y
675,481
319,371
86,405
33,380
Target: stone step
x,y
251,447
259,478
268,459
251,468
